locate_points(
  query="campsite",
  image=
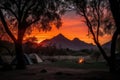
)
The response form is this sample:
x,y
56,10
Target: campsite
x,y
59,39
65,70
64,67
56,64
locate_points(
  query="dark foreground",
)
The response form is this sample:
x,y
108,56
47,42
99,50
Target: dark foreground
x,y
43,72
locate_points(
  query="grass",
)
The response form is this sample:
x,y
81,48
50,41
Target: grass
x,y
75,65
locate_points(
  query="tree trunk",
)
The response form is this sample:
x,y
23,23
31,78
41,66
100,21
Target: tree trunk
x,y
17,42
113,62
19,50
115,9
102,51
19,56
110,60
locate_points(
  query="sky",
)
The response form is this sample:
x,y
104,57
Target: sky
x,y
72,27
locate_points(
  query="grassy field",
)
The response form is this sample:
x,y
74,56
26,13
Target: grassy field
x,y
75,65
61,70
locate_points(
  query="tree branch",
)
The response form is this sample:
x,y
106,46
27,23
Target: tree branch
x,y
10,11
25,4
98,14
33,22
26,12
16,4
94,38
6,27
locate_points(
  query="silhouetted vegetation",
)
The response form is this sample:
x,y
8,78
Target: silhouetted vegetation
x,y
51,51
115,9
100,16
96,55
99,20
21,14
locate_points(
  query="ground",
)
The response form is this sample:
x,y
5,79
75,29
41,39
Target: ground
x,y
45,72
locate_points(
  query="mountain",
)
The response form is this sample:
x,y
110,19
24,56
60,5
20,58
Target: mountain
x,y
107,45
78,43
61,41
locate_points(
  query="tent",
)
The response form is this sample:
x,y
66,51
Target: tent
x,y
35,58
28,61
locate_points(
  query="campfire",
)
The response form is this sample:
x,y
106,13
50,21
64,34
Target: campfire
x,y
81,60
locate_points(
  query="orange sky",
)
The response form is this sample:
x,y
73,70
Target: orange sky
x,y
72,27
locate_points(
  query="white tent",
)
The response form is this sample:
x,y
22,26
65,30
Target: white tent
x,y
27,59
35,58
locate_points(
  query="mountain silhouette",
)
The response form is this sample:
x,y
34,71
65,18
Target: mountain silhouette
x,y
60,41
81,44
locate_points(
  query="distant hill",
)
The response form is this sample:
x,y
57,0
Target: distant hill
x,y
61,41
107,45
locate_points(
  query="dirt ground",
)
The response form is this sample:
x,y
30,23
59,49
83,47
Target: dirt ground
x,y
38,72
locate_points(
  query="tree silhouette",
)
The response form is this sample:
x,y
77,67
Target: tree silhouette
x,y
22,14
2,32
31,39
29,47
115,9
96,55
118,45
99,20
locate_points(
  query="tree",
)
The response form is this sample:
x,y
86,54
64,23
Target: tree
x,y
115,9
99,20
96,55
2,32
118,45
22,14
32,39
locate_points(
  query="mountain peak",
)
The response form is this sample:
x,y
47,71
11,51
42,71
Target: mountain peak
x,y
60,35
76,39
60,41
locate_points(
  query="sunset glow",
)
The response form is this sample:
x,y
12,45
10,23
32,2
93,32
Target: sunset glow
x,y
72,27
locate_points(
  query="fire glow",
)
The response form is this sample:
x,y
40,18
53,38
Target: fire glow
x,y
81,60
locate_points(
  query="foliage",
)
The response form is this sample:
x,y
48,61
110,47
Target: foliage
x,y
26,12
95,55
97,17
100,21
29,47
19,15
3,34
31,39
